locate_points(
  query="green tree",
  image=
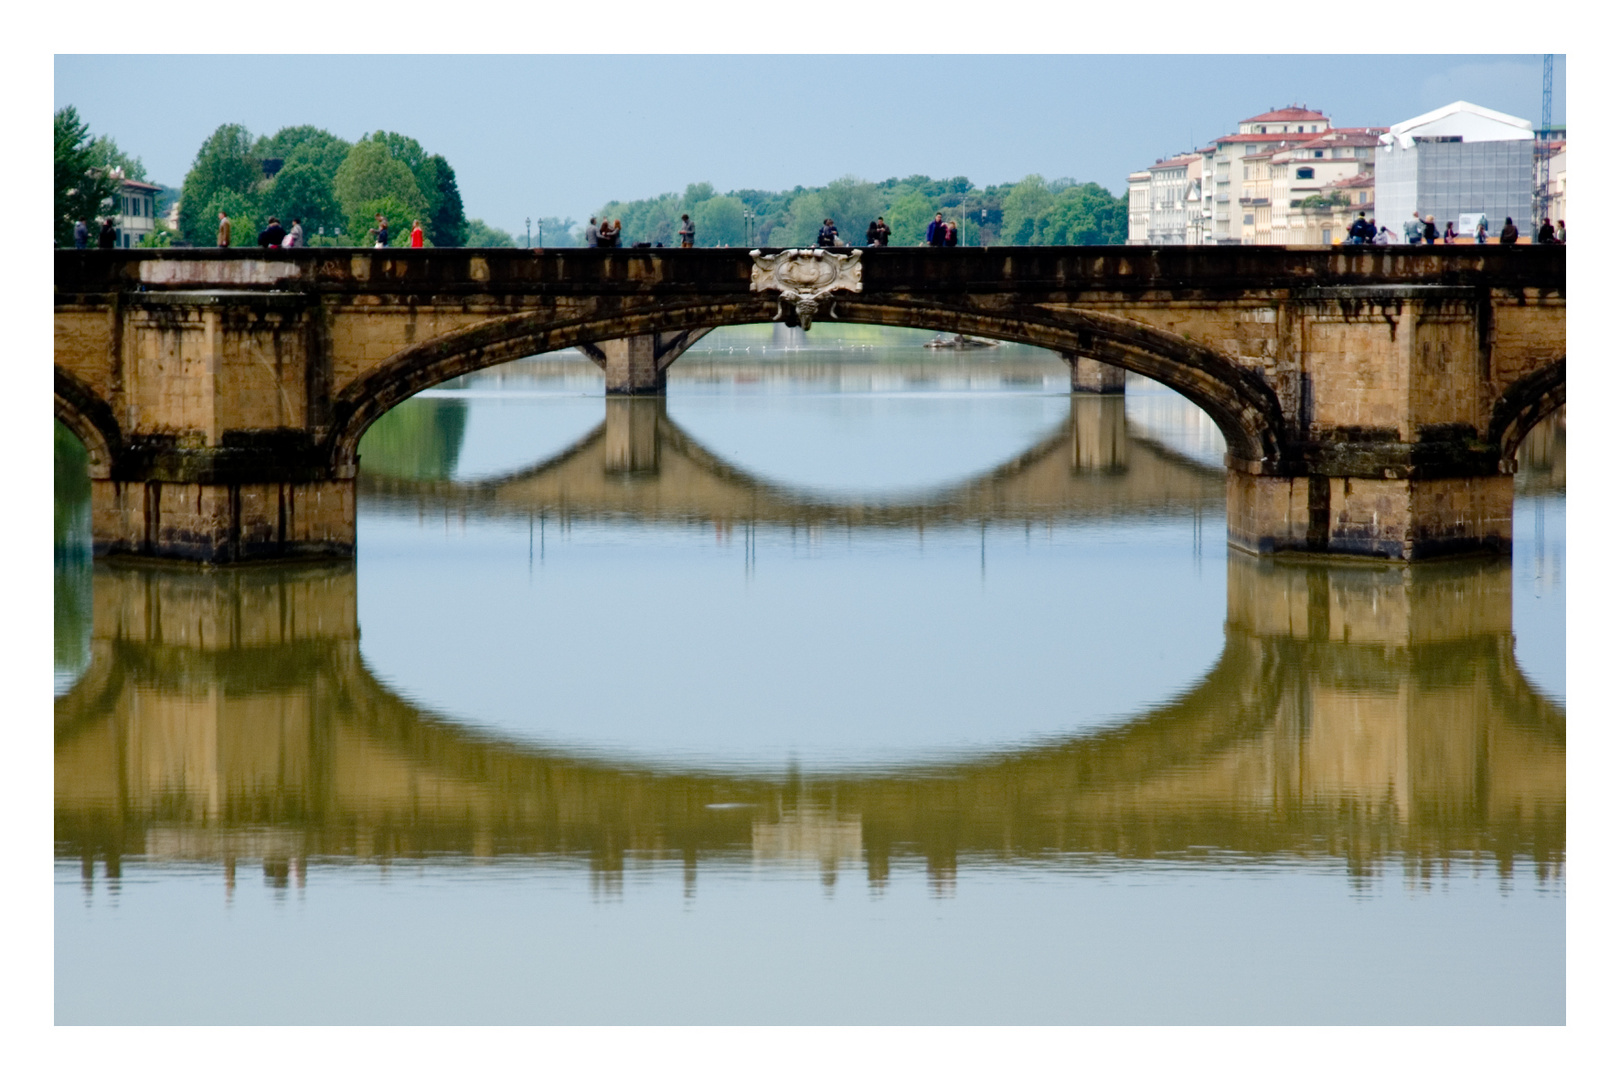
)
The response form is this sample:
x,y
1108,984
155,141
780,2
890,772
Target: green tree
x,y
481,235
305,145
225,164
105,154
370,173
1022,210
719,222
447,224
1084,214
908,216
81,187
302,191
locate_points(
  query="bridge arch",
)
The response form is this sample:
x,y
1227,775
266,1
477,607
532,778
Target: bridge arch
x,y
1525,404
83,412
1240,403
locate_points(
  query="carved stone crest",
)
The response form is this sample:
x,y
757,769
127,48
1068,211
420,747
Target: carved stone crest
x,y
805,277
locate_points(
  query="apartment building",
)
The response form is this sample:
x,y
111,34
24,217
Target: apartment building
x,y
1138,204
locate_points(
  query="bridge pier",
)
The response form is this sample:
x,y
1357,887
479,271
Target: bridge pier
x,y
222,522
1088,376
637,366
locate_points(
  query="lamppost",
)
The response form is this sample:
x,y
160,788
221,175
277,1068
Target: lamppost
x,y
539,233
528,238
748,225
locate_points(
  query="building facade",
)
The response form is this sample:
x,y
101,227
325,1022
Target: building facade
x,y
1455,163
136,215
1139,201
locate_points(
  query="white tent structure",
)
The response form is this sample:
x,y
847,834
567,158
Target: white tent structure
x,y
1457,163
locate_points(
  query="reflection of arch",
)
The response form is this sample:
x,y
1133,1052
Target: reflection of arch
x,y
83,412
1330,725
1524,405
1088,466
1238,400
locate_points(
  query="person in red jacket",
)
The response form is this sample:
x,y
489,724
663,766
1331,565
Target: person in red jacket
x,y
416,234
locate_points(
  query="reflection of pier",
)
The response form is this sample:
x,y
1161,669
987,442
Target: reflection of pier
x,y
640,463
1354,714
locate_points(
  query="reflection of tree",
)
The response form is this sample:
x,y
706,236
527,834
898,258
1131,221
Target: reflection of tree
x,y
1354,714
418,440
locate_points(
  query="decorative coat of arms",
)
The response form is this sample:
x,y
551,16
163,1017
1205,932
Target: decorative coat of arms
x,y
805,277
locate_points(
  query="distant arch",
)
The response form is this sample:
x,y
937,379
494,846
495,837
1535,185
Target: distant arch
x,y
82,411
1524,405
1242,406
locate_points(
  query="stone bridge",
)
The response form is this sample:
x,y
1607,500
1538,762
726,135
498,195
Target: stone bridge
x,y
1371,399
1355,714
638,463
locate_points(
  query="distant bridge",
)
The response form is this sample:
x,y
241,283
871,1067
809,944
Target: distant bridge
x,y
639,463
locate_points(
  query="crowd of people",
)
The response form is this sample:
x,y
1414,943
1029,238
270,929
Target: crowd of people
x,y
1422,230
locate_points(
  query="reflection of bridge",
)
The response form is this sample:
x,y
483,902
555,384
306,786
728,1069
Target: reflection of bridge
x,y
1354,714
640,463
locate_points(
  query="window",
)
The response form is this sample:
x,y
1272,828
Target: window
x,y
1319,153
1361,196
1305,172
1248,219
1301,129
1327,236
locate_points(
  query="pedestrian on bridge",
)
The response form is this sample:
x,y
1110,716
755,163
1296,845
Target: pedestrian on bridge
x,y
1414,229
688,232
108,238
380,232
592,234
416,234
273,234
224,237
1561,238
1451,233
1430,233
935,236
1546,234
1482,231
81,234
877,234
1510,232
610,233
295,235
950,234
828,236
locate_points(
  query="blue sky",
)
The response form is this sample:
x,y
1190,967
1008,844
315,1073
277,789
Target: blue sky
x,y
549,136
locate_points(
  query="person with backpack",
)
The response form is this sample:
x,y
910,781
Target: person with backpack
x,y
1510,232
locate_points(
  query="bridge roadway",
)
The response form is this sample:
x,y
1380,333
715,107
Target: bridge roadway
x,y
1372,399
639,463
1355,714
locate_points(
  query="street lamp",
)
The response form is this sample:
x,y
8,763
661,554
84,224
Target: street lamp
x,y
539,233
528,237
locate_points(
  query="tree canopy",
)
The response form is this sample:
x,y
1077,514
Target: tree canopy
x,y
1030,211
334,187
85,187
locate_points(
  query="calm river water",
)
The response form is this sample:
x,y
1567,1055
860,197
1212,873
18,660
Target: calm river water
x,y
856,684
